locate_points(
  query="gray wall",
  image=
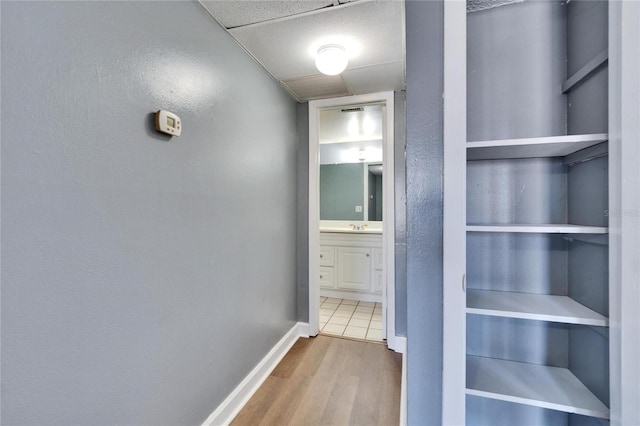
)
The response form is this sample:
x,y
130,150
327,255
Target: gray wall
x,y
587,36
516,65
139,284
424,168
302,227
341,190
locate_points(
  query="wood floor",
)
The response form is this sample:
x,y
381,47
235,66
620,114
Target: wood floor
x,y
329,381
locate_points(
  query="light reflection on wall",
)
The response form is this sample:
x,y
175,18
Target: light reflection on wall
x,y
180,81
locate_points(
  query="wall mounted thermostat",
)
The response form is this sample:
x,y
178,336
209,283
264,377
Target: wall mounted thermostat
x,y
169,123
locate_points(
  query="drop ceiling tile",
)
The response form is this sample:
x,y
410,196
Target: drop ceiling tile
x,y
317,87
478,5
376,78
237,13
372,31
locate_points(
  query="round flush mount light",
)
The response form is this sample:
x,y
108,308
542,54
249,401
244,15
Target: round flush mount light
x,y
331,59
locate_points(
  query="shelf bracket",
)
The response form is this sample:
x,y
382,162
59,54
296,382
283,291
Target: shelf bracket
x,y
585,71
587,154
601,240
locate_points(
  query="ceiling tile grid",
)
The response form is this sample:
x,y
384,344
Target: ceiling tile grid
x,y
285,35
238,13
375,78
371,32
317,87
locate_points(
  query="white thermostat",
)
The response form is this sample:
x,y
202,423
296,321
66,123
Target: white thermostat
x,y
169,123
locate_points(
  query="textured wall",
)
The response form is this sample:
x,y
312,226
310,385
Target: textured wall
x,y
140,283
302,227
425,37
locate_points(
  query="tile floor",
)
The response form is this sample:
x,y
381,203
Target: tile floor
x,y
351,318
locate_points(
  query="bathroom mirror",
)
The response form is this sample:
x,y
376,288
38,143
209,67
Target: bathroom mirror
x,y
351,190
351,163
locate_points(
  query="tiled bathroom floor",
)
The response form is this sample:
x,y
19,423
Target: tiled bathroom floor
x,y
351,318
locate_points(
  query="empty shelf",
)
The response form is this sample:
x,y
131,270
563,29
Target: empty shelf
x,y
528,306
553,146
540,229
537,385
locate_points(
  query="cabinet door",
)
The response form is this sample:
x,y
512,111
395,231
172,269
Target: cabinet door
x,y
327,277
354,268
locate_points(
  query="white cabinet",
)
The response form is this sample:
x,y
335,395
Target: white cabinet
x,y
351,266
327,277
377,274
327,256
354,272
327,267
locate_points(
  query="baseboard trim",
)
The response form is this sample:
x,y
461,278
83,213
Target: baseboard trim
x,y
397,344
403,391
231,406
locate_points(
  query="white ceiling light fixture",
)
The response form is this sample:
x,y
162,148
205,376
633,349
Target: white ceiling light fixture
x,y
332,59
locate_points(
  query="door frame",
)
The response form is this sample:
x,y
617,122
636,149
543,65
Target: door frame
x,y
624,211
388,200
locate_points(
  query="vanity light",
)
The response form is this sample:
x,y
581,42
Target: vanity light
x,y
331,59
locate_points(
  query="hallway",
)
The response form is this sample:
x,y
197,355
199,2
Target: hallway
x,y
329,381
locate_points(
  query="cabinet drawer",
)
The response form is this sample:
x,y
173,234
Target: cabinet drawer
x,y
327,256
376,253
327,277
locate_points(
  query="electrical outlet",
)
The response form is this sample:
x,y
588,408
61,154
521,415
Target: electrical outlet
x,y
358,209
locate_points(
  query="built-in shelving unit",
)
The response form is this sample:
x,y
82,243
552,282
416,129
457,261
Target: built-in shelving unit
x,y
553,146
539,229
540,307
526,246
538,385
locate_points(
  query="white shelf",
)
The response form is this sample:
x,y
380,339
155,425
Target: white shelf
x,y
540,229
528,306
553,146
537,385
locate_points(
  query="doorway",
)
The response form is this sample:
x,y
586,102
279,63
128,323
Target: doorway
x,y
360,223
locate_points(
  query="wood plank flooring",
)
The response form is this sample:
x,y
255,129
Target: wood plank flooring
x,y
329,381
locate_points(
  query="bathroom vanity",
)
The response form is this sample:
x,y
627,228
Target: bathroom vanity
x,y
351,263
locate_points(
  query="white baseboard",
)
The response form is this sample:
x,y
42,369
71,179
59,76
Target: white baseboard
x,y
397,344
231,406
